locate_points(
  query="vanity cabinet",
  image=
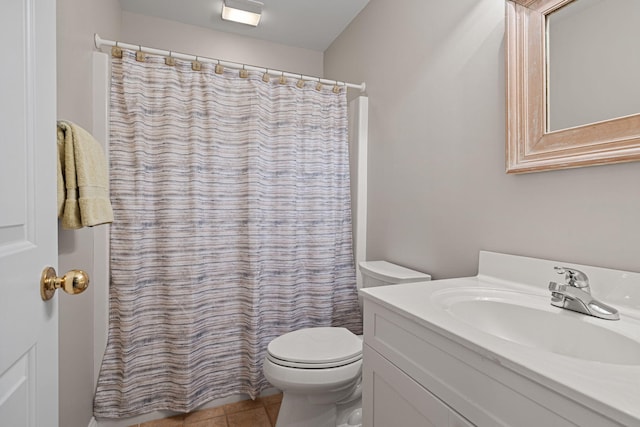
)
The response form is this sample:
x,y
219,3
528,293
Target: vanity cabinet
x,y
416,376
393,399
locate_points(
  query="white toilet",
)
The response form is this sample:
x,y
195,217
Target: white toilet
x,y
319,369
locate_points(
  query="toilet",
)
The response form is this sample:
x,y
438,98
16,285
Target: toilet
x,y
319,369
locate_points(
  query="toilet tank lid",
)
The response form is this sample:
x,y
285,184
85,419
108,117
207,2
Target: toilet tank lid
x,y
389,272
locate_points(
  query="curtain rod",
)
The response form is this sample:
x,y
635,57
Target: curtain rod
x,y
100,42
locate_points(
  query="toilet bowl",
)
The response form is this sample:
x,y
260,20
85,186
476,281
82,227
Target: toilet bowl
x,y
319,369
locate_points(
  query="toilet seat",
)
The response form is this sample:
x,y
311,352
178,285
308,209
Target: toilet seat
x,y
315,348
299,365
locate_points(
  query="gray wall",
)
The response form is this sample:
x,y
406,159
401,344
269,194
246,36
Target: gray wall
x,y
77,21
170,35
437,189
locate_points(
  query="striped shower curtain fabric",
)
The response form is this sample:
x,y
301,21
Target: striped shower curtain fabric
x,y
232,226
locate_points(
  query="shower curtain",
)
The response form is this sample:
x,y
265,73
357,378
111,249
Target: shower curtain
x,y
232,226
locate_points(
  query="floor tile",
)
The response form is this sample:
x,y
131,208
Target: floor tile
x,y
271,399
243,405
204,414
175,421
272,411
252,418
210,422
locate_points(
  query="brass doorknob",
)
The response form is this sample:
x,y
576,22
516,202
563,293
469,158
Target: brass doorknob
x,y
74,282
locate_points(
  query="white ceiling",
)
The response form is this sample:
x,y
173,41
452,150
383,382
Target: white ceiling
x,y
310,24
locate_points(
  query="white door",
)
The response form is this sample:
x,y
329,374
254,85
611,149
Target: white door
x,y
28,223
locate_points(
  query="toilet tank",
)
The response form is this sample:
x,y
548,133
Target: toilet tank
x,y
379,273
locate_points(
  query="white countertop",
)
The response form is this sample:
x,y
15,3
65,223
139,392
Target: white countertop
x,y
612,389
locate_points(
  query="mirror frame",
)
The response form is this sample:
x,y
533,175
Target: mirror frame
x,y
530,147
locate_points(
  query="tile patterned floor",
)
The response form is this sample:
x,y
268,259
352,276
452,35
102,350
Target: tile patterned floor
x,y
261,412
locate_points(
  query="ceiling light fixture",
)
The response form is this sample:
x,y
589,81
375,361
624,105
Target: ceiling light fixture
x,y
243,11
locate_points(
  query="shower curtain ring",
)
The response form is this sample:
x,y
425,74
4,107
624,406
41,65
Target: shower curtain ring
x,y
319,85
265,76
300,83
219,68
170,60
244,73
283,79
196,65
116,51
140,55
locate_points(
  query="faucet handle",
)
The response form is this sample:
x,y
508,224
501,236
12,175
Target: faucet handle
x,y
574,277
557,293
557,287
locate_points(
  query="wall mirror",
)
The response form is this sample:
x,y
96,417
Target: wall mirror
x,y
572,98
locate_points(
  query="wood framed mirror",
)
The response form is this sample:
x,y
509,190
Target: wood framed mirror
x,y
530,145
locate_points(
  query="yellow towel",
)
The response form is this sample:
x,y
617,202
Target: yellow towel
x,y
83,195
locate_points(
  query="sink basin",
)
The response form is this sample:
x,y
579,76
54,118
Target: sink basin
x,y
531,321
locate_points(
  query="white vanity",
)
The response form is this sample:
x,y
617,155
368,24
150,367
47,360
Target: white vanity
x,y
491,350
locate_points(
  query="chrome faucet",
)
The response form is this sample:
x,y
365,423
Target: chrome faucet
x,y
575,295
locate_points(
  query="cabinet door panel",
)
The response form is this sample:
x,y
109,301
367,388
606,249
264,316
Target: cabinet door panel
x,y
392,399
